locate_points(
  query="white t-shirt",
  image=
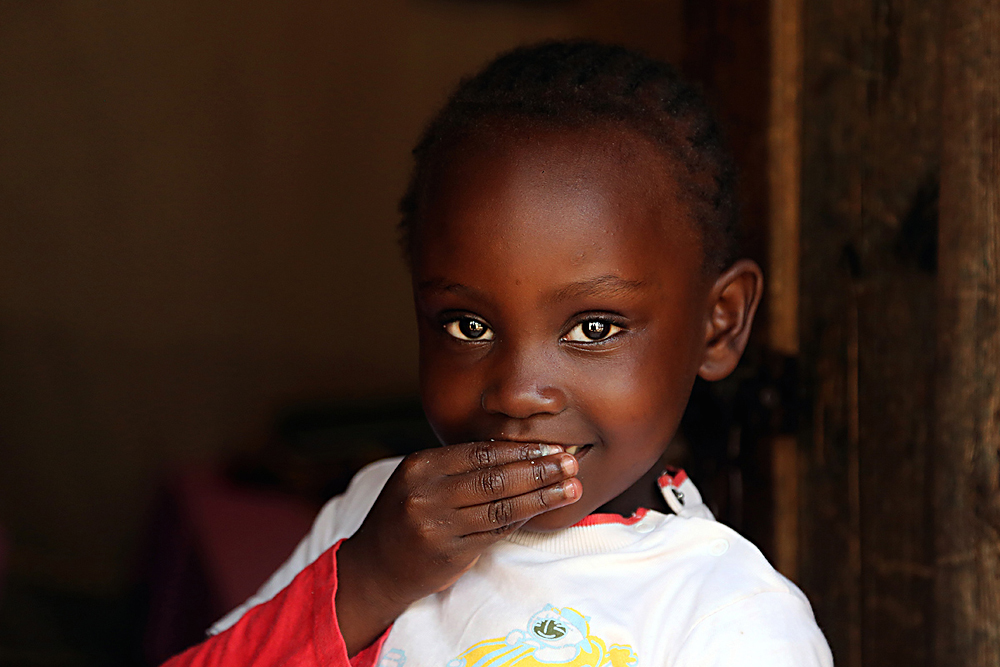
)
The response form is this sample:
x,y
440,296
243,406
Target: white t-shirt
x,y
678,590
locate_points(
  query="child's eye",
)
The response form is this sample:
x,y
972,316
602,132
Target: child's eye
x,y
468,328
590,331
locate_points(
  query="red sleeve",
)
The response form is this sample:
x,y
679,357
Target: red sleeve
x,y
296,628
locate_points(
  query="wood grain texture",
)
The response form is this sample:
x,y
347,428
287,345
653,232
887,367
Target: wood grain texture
x,y
967,459
784,165
870,150
784,162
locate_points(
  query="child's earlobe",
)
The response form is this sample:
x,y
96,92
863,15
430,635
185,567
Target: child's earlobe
x,y
733,303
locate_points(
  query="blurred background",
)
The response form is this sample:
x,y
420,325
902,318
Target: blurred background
x,y
206,328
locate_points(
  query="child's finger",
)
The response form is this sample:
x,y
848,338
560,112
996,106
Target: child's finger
x,y
489,519
509,480
466,457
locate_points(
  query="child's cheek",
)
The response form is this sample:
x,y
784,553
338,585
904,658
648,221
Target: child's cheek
x,y
450,398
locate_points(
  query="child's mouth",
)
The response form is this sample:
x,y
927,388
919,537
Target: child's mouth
x,y
578,450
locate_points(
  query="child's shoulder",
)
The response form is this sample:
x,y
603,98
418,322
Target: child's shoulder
x,y
721,563
745,606
726,579
724,599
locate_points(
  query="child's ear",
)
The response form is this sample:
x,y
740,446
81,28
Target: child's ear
x,y
732,304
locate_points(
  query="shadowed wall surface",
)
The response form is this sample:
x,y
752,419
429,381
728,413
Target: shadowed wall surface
x,y
197,212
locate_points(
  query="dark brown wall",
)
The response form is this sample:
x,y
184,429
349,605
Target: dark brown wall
x,y
197,210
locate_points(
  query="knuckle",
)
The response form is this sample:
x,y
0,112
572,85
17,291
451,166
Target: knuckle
x,y
483,455
544,500
413,464
500,512
426,531
492,483
414,504
538,471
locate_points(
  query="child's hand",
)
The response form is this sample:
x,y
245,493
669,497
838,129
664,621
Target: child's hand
x,y
437,513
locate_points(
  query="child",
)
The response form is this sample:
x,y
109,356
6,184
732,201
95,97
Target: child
x,y
569,227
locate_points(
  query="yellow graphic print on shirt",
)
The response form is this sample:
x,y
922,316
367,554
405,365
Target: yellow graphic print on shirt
x,y
554,638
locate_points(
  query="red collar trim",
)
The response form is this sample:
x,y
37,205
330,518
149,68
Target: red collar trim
x,y
672,477
598,519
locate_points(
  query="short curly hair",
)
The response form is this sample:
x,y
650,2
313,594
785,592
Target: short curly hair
x,y
576,84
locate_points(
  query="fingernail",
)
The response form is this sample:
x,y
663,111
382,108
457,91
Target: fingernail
x,y
569,464
550,449
570,491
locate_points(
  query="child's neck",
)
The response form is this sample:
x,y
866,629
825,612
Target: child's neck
x,y
644,493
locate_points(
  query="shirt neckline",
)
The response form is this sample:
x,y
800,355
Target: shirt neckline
x,y
595,534
598,518
606,532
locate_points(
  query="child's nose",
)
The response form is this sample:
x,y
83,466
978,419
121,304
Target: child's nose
x,y
523,384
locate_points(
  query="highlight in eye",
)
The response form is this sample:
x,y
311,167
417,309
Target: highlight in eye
x,y
468,328
593,330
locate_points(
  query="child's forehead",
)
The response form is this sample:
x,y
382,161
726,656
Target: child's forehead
x,y
539,214
614,155
565,179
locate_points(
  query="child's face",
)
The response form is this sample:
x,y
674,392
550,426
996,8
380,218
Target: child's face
x,y
561,298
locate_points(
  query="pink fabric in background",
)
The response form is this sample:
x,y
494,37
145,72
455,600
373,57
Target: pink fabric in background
x,y
243,535
211,545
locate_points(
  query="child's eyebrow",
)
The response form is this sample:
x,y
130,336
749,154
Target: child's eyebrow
x,y
601,286
439,284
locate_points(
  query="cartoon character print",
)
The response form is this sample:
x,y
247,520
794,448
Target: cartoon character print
x,y
554,637
393,658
